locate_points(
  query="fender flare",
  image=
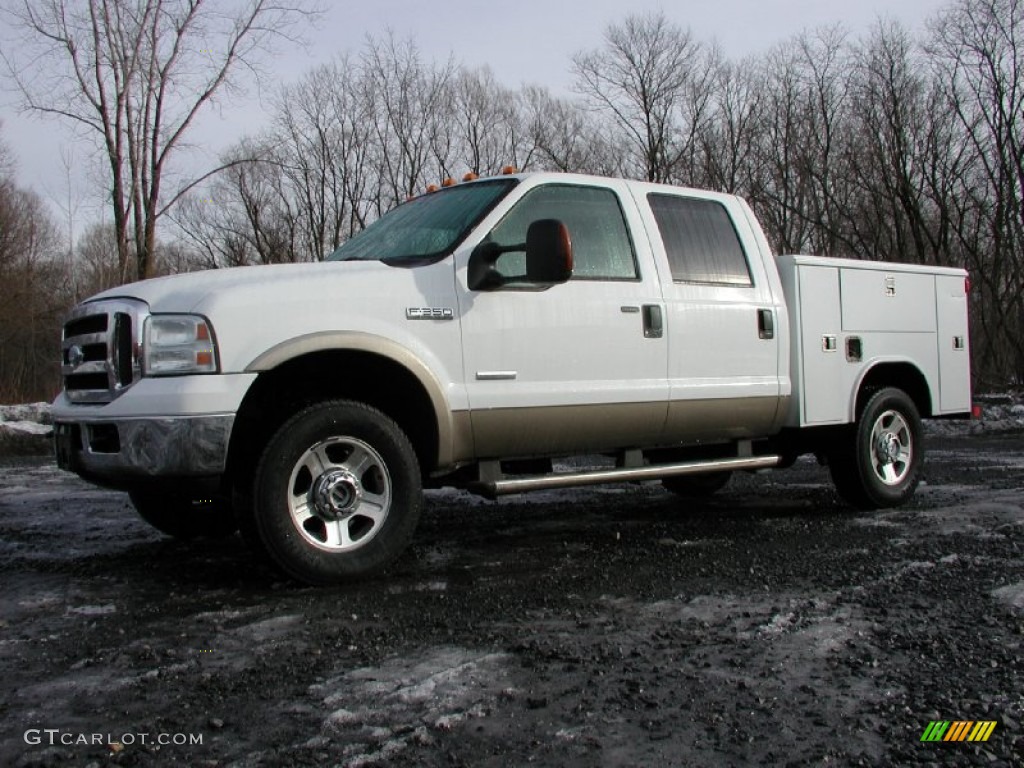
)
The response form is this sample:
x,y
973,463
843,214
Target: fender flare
x,y
357,341
872,365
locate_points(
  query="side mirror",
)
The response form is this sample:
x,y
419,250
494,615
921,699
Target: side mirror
x,y
483,274
548,249
548,252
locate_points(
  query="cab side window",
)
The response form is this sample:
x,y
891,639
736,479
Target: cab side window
x,y
700,241
601,246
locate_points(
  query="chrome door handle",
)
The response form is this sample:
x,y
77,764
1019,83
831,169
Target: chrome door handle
x,y
653,325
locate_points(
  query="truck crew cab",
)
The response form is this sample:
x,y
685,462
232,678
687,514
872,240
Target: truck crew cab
x,y
474,333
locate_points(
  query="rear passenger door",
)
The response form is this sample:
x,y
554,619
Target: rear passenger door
x,y
722,317
570,367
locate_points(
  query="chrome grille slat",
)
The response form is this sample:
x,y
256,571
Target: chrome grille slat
x,y
96,365
85,338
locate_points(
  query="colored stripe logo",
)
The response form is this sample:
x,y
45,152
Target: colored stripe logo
x,y
958,730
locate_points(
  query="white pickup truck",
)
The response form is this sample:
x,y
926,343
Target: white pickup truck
x,y
473,334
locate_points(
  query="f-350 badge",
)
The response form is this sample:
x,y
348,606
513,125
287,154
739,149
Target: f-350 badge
x,y
429,313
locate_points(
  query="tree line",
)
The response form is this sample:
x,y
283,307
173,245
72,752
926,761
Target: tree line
x,y
888,146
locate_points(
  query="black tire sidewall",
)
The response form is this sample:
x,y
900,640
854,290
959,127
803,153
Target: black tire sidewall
x,y
282,540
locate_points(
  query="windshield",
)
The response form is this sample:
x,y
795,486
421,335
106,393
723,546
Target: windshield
x,y
426,228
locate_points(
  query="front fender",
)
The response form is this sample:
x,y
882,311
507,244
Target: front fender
x,y
451,439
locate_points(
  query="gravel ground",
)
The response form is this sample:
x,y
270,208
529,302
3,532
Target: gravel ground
x,y
608,626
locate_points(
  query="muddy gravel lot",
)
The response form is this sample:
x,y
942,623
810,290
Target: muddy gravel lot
x,y
612,626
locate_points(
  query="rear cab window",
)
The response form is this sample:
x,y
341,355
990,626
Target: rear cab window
x,y
701,242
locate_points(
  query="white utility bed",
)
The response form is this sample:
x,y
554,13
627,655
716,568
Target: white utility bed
x,y
848,315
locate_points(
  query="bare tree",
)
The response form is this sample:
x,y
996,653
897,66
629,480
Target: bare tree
x,y
410,101
303,188
979,46
135,74
220,234
96,259
488,124
33,295
251,213
730,138
323,129
798,182
905,153
569,138
6,161
640,78
776,188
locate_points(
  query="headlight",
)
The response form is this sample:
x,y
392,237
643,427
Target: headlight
x,y
178,344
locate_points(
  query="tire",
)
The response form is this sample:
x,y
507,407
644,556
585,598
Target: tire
x,y
337,494
184,517
697,486
877,464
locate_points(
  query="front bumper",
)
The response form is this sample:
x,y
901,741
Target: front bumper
x,y
122,453
162,429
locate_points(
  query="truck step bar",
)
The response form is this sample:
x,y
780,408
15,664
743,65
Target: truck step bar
x,y
492,489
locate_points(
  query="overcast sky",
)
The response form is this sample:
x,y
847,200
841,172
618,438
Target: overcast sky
x,y
526,41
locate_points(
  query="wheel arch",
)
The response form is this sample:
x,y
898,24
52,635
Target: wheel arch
x,y
900,374
305,370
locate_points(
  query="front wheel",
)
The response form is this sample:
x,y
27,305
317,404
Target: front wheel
x,y
878,463
338,493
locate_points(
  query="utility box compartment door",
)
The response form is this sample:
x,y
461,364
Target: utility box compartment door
x,y
821,385
882,300
954,345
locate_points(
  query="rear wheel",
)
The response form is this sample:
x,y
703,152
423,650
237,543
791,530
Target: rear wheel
x,y
878,462
338,493
185,517
697,486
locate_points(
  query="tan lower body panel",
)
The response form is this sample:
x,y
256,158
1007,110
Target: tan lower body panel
x,y
572,429
565,429
698,421
462,439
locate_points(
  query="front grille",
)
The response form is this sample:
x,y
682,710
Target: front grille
x,y
86,325
100,349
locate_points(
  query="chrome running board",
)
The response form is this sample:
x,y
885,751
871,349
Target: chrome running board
x,y
492,489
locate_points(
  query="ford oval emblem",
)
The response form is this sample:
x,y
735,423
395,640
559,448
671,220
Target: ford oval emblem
x,y
76,355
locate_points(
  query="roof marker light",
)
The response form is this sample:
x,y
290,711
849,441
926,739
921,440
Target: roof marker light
x,y
470,177
508,170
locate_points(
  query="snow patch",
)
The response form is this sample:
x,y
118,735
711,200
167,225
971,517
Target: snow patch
x,y
391,705
41,600
999,413
1011,596
429,586
38,413
92,610
27,427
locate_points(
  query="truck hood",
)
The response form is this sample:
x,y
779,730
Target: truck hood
x,y
255,309
187,292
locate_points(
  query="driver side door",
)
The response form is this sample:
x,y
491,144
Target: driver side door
x,y
579,366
